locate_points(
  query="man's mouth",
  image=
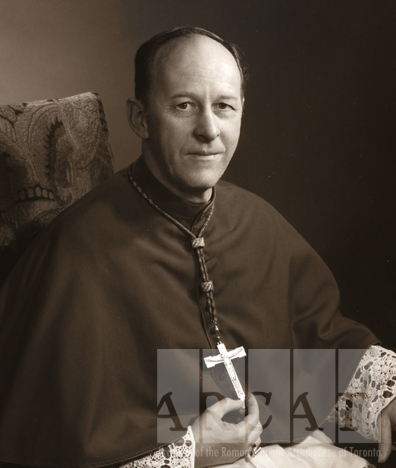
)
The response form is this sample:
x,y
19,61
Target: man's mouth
x,y
205,154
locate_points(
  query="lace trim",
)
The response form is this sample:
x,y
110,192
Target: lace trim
x,y
372,388
179,454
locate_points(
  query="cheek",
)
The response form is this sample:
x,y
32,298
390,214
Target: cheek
x,y
173,137
231,138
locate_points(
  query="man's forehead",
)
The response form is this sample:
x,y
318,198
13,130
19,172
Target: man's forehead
x,y
178,45
184,53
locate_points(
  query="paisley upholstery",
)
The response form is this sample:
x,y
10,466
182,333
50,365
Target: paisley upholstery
x,y
51,153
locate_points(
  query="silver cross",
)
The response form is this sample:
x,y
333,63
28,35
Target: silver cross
x,y
225,358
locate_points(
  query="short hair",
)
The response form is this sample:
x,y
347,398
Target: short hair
x,y
147,52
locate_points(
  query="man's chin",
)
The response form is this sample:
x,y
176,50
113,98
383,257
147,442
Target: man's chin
x,y
204,179
197,191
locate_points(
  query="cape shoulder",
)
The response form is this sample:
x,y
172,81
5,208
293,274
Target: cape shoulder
x,y
249,208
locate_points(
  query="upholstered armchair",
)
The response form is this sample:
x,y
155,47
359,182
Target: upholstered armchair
x,y
51,153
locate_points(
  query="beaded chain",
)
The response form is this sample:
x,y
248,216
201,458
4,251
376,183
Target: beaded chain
x,y
197,243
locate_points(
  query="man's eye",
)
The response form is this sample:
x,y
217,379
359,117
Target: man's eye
x,y
223,106
183,105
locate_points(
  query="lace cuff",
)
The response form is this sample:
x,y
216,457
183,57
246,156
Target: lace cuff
x,y
372,388
179,454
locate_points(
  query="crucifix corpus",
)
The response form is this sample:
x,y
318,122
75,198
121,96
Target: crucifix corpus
x,y
225,358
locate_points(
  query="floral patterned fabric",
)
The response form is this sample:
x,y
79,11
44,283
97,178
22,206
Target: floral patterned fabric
x,y
51,153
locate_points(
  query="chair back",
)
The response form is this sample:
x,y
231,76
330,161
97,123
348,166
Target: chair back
x,y
51,153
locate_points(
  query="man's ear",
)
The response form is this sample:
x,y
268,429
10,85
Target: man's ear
x,y
136,115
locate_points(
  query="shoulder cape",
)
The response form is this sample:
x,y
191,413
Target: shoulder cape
x,y
110,282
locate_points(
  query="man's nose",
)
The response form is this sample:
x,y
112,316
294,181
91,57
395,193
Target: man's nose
x,y
207,128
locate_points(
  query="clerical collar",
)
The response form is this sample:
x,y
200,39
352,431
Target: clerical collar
x,y
186,212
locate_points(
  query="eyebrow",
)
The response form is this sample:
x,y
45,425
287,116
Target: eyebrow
x,y
191,94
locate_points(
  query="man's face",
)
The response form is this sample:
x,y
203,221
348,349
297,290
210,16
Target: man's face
x,y
193,117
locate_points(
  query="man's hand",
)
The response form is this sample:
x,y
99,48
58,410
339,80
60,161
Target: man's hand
x,y
388,424
219,442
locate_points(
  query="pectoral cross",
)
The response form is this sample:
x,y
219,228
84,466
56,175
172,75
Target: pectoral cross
x,y
225,358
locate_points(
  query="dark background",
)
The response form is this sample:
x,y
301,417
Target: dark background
x,y
318,138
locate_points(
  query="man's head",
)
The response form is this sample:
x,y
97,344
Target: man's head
x,y
146,54
188,112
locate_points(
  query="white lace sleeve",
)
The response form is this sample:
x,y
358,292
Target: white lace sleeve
x,y
372,388
179,454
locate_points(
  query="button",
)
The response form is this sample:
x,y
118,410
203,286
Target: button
x,y
198,242
222,376
207,286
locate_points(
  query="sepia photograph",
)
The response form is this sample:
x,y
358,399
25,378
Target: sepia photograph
x,y
197,233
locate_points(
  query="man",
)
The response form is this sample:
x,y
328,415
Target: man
x,y
160,257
